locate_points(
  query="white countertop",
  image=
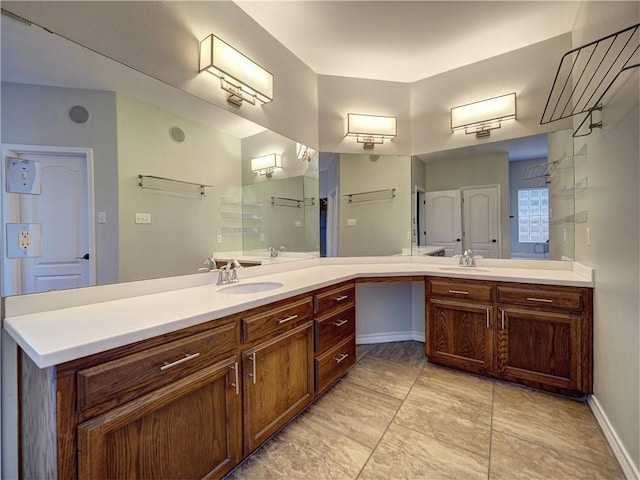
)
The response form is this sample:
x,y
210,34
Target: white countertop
x,y
57,327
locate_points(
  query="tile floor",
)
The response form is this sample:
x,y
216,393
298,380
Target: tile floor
x,y
394,416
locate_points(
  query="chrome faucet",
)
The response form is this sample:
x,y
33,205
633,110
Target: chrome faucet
x,y
273,253
209,265
229,273
468,259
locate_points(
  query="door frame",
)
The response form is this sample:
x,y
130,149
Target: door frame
x,y
11,275
420,215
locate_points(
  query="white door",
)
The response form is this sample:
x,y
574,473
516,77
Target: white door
x,y
444,225
64,210
481,217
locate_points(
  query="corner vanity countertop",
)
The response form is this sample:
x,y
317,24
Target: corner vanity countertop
x,y
57,327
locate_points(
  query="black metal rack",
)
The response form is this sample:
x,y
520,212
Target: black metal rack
x,y
586,74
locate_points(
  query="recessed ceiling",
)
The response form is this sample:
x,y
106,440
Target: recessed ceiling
x,y
407,41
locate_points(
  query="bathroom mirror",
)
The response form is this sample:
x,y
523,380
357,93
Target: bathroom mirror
x,y
67,100
497,175
366,204
506,199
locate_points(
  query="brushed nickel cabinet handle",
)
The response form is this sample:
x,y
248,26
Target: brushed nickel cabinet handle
x,y
543,300
236,384
488,324
459,292
252,358
502,319
341,357
187,357
287,319
341,298
339,323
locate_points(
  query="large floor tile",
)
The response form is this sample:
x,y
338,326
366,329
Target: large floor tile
x,y
406,454
513,458
464,385
357,412
565,425
407,353
384,376
448,417
305,449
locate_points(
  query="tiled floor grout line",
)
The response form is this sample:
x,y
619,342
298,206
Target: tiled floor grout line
x,y
391,421
493,406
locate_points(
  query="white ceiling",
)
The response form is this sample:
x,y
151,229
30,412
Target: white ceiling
x,y
406,41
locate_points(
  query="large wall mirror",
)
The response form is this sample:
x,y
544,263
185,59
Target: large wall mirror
x,y
506,199
510,199
87,128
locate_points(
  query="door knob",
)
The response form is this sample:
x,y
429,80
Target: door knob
x,y
84,257
457,239
494,241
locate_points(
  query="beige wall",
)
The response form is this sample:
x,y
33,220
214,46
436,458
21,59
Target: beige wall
x,y
183,228
611,164
528,72
450,174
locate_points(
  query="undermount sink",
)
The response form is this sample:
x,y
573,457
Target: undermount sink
x,y
255,287
463,269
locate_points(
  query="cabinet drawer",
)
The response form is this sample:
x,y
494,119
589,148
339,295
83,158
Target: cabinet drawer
x,y
542,297
277,319
134,375
335,298
333,328
461,289
334,363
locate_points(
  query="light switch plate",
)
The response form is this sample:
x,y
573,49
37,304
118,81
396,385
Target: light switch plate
x,y
102,217
351,222
588,236
219,238
142,217
23,176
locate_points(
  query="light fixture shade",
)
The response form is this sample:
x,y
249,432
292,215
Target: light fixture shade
x,y
238,74
266,164
485,115
370,129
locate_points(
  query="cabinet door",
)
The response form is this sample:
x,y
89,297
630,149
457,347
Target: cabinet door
x,y
538,346
460,335
278,383
187,429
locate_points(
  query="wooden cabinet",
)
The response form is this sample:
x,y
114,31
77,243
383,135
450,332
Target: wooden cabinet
x,y
536,335
335,341
277,364
545,336
167,407
187,429
460,334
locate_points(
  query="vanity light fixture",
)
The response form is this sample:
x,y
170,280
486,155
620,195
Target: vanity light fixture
x,y
370,129
242,78
266,164
304,153
482,117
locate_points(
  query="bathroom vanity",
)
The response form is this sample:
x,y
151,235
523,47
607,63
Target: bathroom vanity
x,y
188,382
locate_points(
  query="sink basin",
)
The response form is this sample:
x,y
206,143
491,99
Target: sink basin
x,y
463,269
255,287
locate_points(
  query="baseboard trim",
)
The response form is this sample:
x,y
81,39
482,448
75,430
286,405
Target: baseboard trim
x,y
389,337
629,469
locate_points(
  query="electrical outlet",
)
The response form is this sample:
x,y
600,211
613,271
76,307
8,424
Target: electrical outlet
x,y
102,217
24,240
408,235
142,218
262,237
219,238
298,223
351,222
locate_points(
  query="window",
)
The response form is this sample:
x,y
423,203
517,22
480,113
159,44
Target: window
x,y
533,215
